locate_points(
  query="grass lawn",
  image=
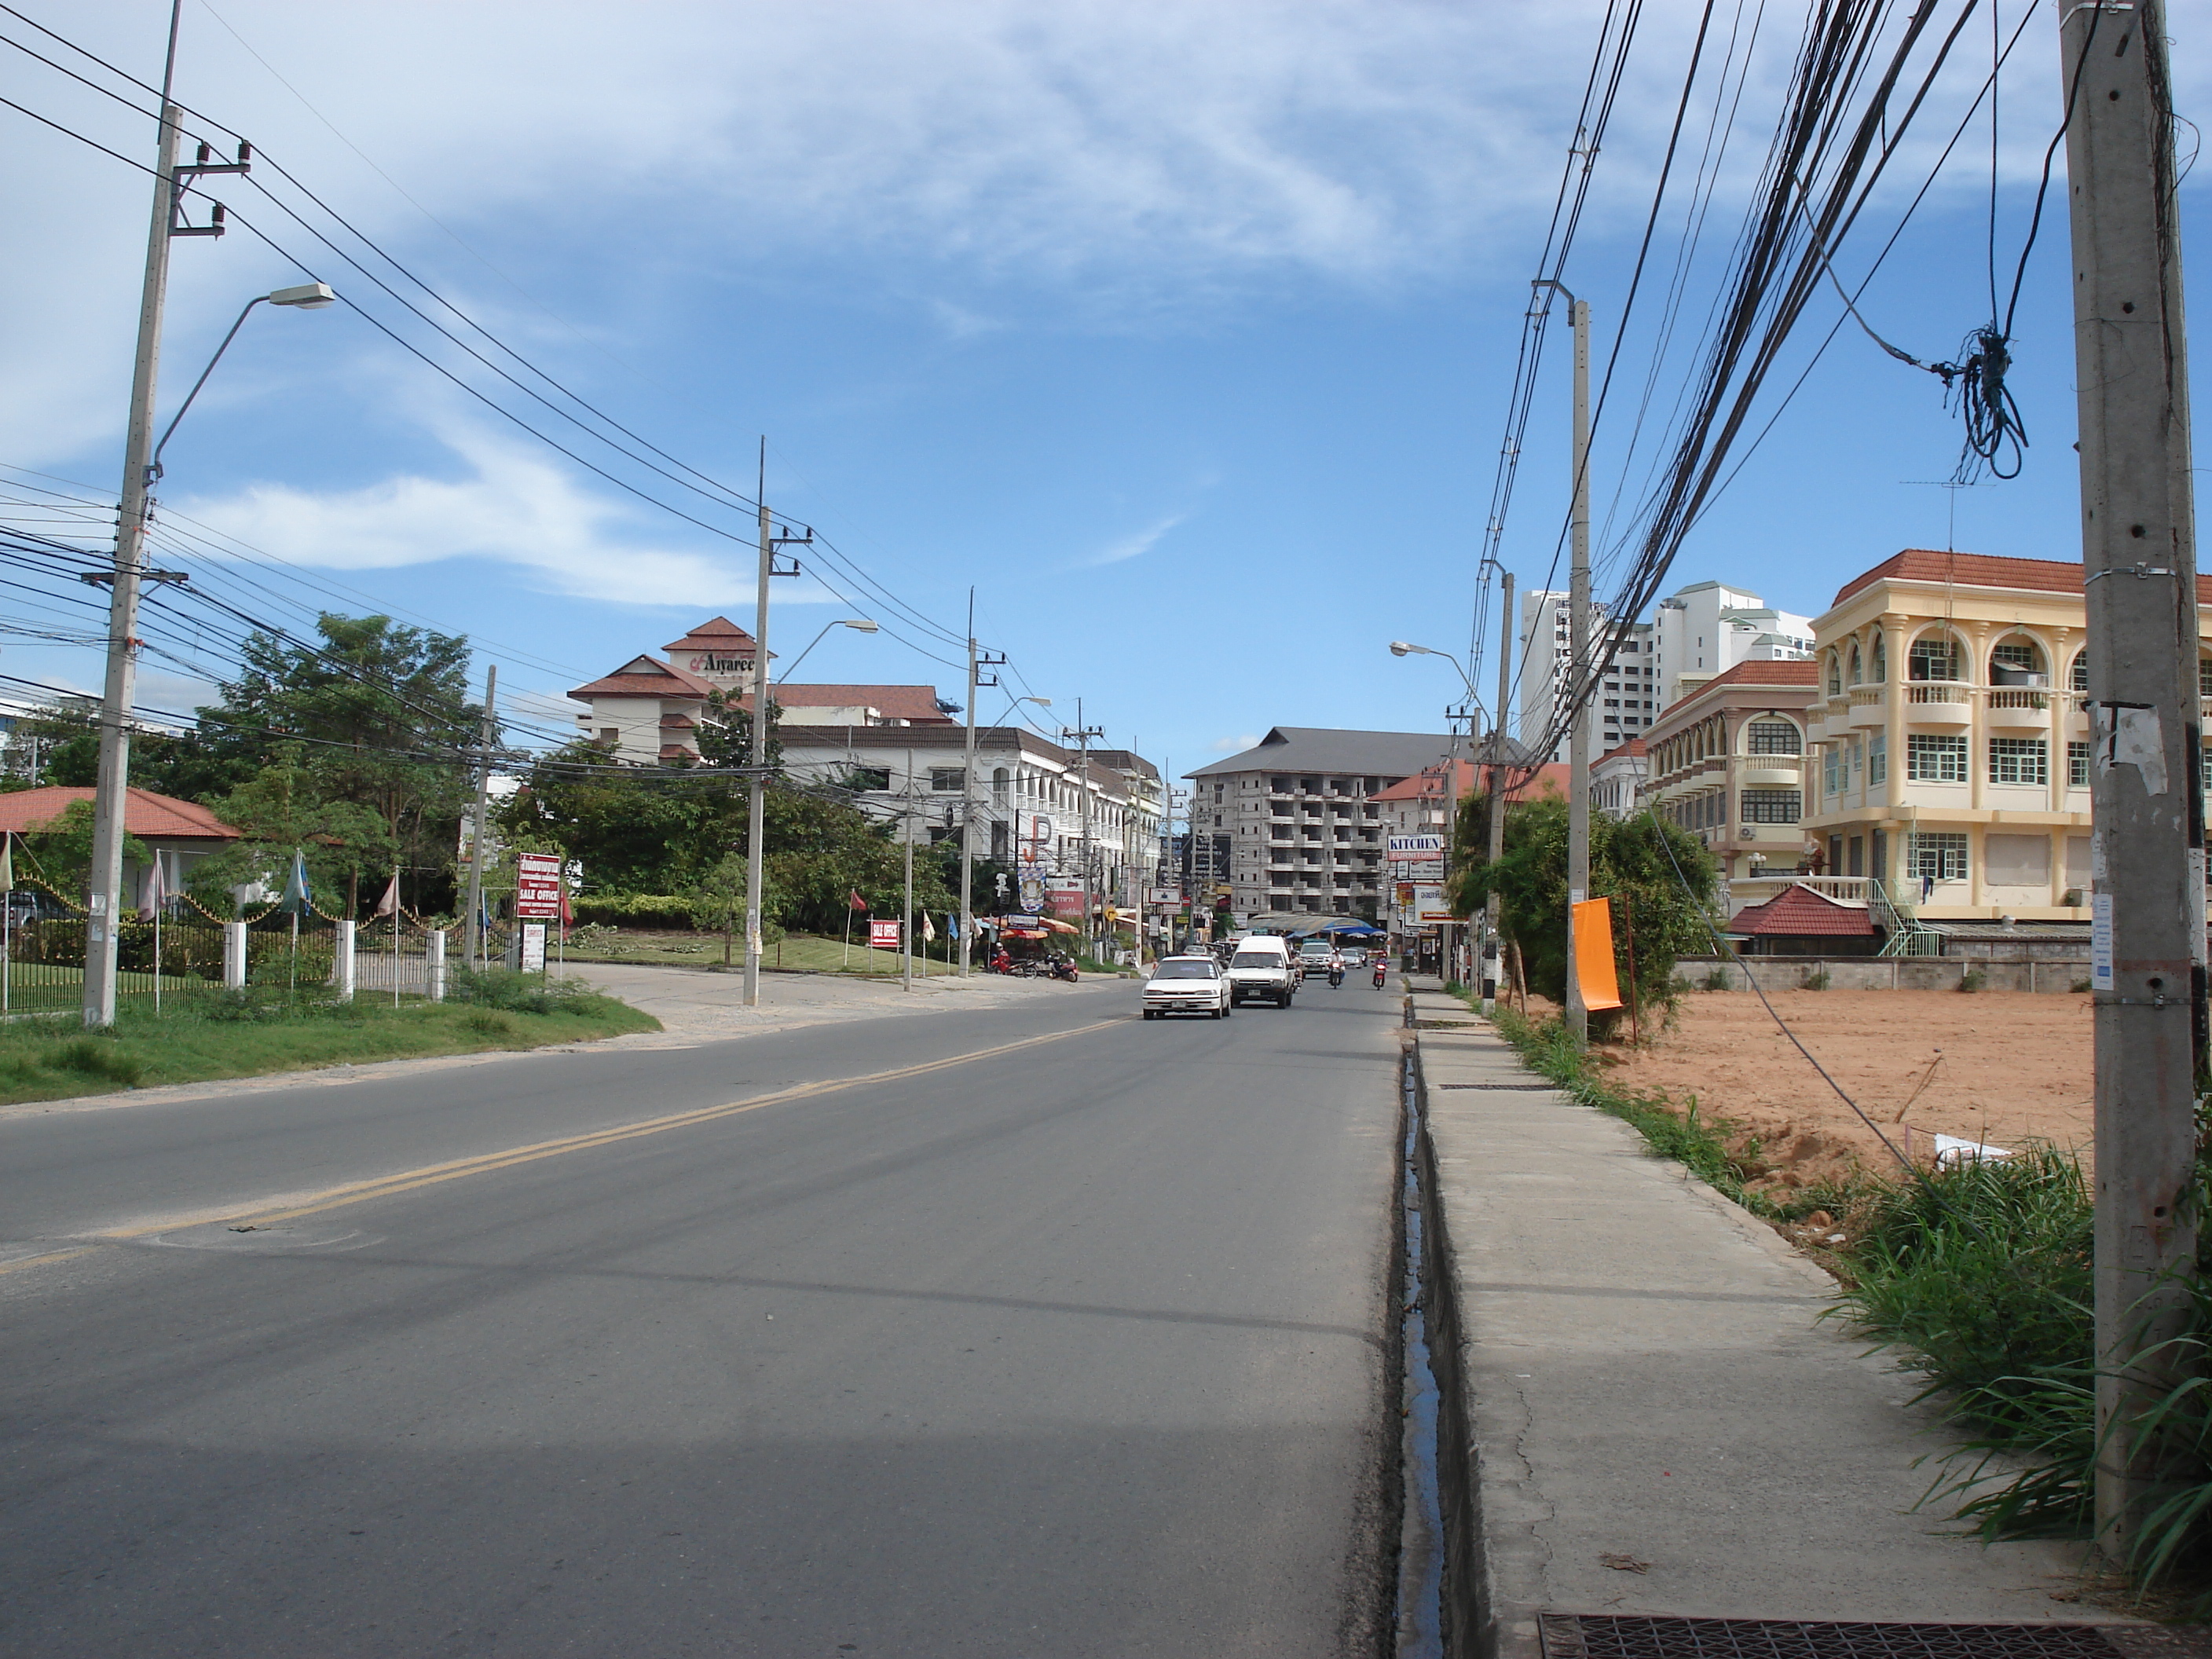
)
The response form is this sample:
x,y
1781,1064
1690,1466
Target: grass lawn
x,y
43,1059
794,951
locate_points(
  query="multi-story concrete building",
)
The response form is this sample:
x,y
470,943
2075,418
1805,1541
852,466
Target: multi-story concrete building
x,y
1708,628
1704,630
1627,698
1727,763
1953,737
1616,779
1303,835
649,711
1028,804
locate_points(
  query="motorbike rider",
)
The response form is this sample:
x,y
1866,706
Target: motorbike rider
x,y
1382,968
1335,969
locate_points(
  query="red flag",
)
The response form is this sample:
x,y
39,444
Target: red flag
x,y
859,904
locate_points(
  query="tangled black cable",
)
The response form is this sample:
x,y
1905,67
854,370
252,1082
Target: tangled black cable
x,y
1975,386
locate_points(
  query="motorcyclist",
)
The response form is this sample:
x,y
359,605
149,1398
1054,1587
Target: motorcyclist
x,y
1001,960
1382,968
1335,969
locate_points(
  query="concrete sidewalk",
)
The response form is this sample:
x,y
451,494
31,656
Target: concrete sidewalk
x,y
1660,1422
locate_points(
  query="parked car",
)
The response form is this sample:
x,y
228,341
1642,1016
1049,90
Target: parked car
x,y
1262,970
1187,985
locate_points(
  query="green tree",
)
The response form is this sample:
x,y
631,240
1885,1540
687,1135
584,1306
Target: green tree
x,y
1661,881
283,810
720,901
380,715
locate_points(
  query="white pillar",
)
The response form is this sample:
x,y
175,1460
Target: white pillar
x,y
234,955
342,962
434,965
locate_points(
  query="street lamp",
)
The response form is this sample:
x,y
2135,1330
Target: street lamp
x,y
105,883
1405,648
861,624
307,296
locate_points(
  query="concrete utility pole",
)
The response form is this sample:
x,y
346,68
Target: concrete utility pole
x,y
906,840
1578,744
104,901
472,929
976,661
1494,946
2139,553
1083,734
756,785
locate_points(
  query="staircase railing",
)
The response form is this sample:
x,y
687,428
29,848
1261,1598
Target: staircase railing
x,y
1906,934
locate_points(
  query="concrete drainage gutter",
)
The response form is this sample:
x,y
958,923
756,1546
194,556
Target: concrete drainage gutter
x,y
1468,1620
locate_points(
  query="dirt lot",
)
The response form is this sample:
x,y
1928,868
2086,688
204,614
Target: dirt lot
x,y
2014,1068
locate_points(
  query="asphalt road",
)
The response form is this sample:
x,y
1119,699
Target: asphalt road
x,y
889,1338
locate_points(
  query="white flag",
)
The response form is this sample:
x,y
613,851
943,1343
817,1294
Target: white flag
x,y
389,904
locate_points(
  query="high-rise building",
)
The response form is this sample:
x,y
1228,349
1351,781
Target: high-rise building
x,y
1708,628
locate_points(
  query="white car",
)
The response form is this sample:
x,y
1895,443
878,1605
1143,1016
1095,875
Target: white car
x,y
1187,985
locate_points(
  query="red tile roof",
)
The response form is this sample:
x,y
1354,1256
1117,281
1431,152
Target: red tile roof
x,y
1752,673
1923,564
1633,747
715,634
145,814
1798,912
917,703
645,677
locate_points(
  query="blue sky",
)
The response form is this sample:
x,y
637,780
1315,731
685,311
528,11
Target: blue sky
x,y
1181,332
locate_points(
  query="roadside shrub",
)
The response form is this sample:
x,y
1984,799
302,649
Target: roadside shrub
x,y
672,911
1716,979
1816,980
96,1057
515,992
2080,987
1972,981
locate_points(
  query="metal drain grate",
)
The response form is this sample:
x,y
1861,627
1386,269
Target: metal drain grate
x,y
1569,1637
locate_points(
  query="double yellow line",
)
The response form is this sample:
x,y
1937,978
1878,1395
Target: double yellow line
x,y
408,1180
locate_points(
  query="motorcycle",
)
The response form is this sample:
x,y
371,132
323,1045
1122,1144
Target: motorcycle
x,y
1382,971
1063,968
1335,974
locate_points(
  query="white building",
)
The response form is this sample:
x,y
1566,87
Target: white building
x,y
1708,628
1705,629
1617,778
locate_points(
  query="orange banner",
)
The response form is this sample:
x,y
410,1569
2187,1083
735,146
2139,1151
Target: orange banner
x,y
1593,955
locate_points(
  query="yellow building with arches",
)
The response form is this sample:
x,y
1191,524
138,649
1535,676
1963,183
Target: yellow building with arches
x,y
1950,739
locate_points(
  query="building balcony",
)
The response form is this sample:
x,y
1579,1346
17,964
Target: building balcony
x,y
1939,703
1867,706
2015,707
1771,769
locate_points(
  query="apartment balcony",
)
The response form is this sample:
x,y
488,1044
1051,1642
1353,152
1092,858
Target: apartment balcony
x,y
1867,706
1939,703
2017,709
1771,771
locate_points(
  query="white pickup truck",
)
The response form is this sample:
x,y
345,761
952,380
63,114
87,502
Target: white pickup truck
x,y
1262,972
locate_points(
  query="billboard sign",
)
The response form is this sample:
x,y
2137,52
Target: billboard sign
x,y
1416,847
883,935
533,948
1428,906
1063,897
1164,898
538,885
1425,870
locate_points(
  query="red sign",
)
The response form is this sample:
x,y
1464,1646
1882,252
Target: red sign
x,y
883,935
538,885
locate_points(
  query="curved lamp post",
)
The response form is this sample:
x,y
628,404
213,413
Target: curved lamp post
x,y
307,296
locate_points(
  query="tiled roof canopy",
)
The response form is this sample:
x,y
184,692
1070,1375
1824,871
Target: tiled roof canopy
x,y
1798,912
1922,564
145,814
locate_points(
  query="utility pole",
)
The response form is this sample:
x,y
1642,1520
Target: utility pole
x,y
1578,653
976,661
1083,734
472,929
2139,554
104,900
756,785
906,840
1494,944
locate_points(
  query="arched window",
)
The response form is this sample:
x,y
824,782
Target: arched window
x,y
2077,677
1858,674
999,781
1881,673
1773,737
1933,657
1835,675
2017,661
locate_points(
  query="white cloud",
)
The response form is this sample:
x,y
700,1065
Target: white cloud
x,y
510,504
1235,745
1128,547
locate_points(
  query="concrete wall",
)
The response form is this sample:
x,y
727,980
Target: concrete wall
x,y
1888,973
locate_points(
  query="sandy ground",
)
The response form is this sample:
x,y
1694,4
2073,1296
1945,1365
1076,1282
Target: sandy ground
x,y
2010,1069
